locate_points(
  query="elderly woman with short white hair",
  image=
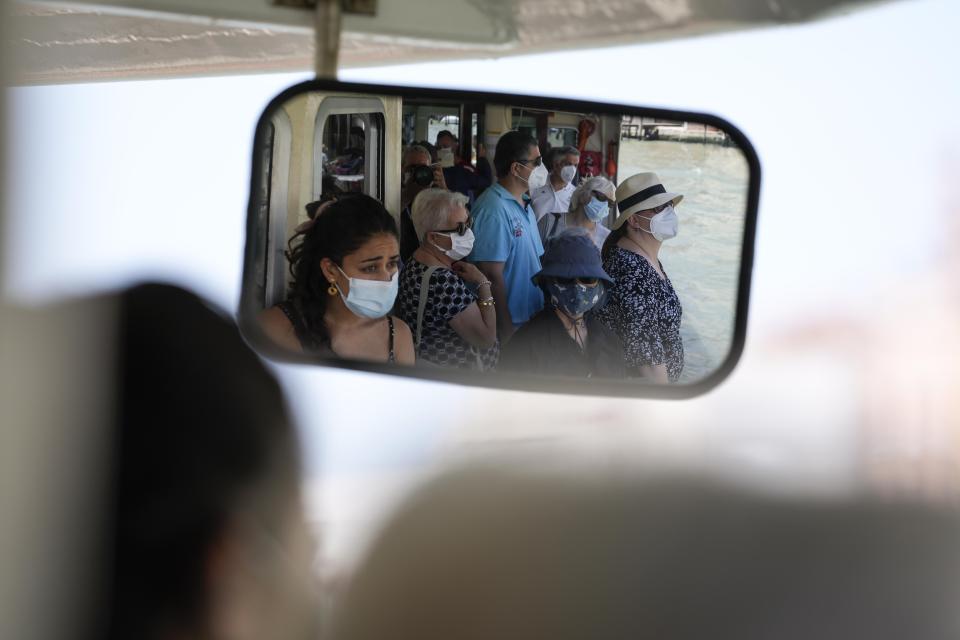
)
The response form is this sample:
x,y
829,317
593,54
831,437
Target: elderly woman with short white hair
x,y
589,207
453,324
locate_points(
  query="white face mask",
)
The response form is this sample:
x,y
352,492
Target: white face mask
x,y
537,178
568,173
370,298
446,157
664,225
460,246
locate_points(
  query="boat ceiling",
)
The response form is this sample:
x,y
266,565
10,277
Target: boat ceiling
x,y
81,41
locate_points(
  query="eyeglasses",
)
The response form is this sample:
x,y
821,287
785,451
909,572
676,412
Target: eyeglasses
x,y
662,207
599,196
587,282
536,161
655,210
460,229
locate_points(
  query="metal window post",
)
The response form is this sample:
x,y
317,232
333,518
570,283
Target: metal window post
x,y
327,40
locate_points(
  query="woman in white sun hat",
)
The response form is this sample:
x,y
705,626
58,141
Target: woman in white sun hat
x,y
644,309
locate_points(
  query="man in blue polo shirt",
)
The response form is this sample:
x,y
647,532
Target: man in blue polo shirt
x,y
507,248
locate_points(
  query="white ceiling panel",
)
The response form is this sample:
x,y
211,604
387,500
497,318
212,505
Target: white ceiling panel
x,y
83,41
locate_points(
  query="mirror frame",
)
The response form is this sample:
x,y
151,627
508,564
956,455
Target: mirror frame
x,y
248,307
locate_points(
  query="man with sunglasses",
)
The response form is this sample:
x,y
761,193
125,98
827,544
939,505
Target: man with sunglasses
x,y
507,248
564,338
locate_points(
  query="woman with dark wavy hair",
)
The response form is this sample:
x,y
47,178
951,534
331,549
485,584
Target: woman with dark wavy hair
x,y
344,284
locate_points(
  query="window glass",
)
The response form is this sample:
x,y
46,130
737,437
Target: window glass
x,y
442,122
345,152
422,122
562,137
475,133
525,122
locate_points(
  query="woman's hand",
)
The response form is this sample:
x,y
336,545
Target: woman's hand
x,y
469,272
655,373
477,324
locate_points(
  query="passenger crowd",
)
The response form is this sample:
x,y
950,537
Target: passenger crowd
x,y
518,273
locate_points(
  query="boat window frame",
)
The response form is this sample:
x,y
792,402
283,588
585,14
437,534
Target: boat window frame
x,y
373,112
276,271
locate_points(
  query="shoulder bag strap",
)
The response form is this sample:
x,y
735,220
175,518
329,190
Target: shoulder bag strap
x,y
556,222
422,305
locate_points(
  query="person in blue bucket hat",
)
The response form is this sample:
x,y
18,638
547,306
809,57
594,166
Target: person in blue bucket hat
x,y
564,338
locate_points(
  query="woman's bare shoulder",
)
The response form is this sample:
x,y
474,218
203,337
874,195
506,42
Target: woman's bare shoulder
x,y
401,328
279,329
403,342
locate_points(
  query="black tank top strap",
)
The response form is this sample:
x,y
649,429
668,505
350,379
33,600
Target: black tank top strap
x,y
296,319
391,357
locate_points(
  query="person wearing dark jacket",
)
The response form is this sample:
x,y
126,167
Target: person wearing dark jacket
x,y
458,173
419,172
564,338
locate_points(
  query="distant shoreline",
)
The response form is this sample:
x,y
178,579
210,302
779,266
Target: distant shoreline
x,y
674,132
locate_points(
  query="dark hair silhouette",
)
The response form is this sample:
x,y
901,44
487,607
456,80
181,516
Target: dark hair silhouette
x,y
612,240
446,133
550,157
200,426
336,232
513,146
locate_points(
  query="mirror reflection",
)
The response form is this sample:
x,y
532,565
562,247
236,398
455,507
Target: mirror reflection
x,y
469,235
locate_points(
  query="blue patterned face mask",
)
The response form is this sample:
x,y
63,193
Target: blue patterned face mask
x,y
574,299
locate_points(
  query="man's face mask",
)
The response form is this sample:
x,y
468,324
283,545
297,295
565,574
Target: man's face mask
x,y
537,178
446,157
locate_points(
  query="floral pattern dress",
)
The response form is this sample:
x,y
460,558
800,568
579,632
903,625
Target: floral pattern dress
x,y
645,312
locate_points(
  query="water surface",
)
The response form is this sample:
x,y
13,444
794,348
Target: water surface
x,y
703,261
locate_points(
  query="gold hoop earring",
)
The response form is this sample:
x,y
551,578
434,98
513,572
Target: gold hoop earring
x,y
332,289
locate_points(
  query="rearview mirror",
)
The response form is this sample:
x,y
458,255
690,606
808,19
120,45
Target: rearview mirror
x,y
496,240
